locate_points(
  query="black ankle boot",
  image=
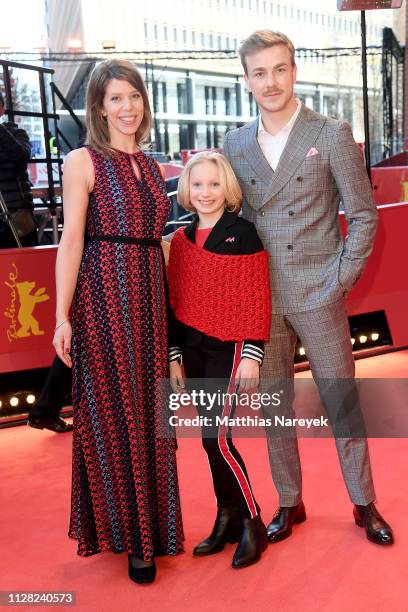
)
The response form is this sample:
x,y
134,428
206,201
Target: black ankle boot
x,y
226,529
141,575
252,543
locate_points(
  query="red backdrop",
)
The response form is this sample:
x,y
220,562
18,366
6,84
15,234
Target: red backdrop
x,y
27,292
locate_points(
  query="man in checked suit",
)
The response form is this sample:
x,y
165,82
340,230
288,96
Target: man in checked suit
x,y
293,166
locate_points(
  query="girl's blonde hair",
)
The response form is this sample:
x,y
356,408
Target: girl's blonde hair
x,y
228,180
97,128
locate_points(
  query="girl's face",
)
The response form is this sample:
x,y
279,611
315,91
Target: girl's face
x,y
123,108
206,193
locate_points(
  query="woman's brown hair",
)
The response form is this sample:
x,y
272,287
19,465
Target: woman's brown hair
x,y
97,129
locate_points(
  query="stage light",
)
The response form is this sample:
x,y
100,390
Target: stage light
x,y
375,336
1,403
14,401
109,44
362,339
74,44
302,351
30,399
353,340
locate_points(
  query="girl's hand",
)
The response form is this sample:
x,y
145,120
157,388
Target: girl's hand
x,y
62,343
176,377
247,375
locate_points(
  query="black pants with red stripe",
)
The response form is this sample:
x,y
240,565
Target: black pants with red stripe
x,y
213,365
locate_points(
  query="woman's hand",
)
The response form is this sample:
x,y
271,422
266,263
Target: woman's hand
x,y
247,375
176,377
62,343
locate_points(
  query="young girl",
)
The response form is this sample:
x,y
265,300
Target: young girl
x,y
220,299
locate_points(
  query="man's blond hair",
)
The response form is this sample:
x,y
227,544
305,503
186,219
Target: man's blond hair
x,y
264,39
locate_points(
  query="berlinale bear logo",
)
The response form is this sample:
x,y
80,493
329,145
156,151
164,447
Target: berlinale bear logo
x,y
22,320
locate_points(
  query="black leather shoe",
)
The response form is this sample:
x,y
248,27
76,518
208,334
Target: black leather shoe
x,y
252,543
280,527
56,424
377,530
227,528
141,575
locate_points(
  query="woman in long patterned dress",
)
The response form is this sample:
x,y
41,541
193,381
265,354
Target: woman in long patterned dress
x,y
110,267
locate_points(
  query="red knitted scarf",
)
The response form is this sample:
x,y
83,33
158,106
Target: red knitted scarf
x,y
224,296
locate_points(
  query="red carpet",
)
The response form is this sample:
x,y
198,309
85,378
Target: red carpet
x,y
326,565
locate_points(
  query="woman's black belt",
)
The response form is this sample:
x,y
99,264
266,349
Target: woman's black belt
x,y
125,240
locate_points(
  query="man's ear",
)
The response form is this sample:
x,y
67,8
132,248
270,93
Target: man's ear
x,y
246,81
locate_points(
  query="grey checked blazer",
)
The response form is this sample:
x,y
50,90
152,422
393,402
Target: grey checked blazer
x,y
295,209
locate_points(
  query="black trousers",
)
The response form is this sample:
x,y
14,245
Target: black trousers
x,y
56,388
213,367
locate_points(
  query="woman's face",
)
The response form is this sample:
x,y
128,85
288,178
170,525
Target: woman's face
x,y
206,192
122,107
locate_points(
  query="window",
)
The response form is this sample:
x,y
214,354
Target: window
x,y
175,34
227,42
202,38
193,38
211,38
323,20
219,42
166,33
184,36
146,31
278,10
156,31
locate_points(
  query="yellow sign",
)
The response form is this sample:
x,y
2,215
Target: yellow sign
x,y
22,320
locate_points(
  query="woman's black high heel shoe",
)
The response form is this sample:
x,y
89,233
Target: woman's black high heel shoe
x,y
227,528
141,575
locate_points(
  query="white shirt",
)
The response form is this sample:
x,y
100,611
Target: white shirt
x,y
272,146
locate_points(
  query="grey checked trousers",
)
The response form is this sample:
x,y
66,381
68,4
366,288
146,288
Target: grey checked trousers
x,y
325,336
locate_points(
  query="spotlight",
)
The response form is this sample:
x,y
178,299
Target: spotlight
x,y
1,403
14,401
74,45
302,351
375,336
30,399
362,339
109,44
353,340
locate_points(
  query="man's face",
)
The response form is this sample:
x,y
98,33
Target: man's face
x,y
271,78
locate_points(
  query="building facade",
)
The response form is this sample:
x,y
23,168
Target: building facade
x,y
196,99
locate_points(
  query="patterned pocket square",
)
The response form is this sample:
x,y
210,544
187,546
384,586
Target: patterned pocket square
x,y
312,152
230,239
